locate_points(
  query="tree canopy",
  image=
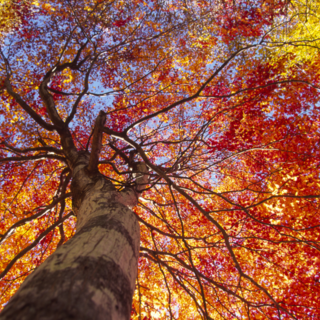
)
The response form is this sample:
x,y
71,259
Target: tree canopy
x,y
219,98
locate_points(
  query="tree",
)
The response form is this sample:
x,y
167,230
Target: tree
x,y
200,109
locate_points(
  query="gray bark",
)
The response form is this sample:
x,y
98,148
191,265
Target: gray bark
x,y
93,275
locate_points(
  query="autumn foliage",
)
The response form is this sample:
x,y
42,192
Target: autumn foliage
x,y
219,98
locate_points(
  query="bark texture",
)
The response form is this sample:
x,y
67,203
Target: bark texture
x,y
92,276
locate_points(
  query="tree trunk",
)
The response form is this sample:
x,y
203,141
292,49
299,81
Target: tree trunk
x,y
92,276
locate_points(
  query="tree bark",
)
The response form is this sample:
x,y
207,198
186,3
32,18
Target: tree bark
x,y
92,276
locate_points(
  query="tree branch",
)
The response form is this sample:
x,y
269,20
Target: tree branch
x,y
44,148
27,108
36,157
141,177
96,142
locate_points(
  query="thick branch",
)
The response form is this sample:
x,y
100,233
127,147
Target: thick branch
x,y
27,108
49,102
44,148
47,97
130,196
96,142
142,177
36,157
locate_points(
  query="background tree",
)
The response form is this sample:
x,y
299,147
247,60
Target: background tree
x,y
221,109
